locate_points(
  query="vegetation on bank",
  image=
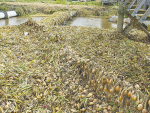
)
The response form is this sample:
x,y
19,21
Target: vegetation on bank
x,y
95,3
28,9
65,2
21,11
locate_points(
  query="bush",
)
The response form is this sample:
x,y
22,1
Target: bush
x,y
20,11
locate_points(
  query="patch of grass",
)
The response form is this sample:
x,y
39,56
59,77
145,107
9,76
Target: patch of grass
x,y
24,11
95,3
3,7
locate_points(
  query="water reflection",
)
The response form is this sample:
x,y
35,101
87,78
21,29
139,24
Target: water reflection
x,y
100,22
16,20
4,22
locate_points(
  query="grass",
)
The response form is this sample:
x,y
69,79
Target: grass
x,y
94,3
23,9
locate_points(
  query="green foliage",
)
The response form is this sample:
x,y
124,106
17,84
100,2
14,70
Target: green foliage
x,y
3,7
126,16
20,11
127,111
57,1
115,4
24,10
86,3
97,3
5,0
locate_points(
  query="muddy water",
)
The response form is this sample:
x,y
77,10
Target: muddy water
x,y
100,22
16,20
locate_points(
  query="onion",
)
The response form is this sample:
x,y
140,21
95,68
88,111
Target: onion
x,y
117,88
144,111
140,107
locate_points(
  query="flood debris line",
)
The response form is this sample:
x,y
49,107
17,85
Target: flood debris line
x,y
45,67
58,18
99,90
50,70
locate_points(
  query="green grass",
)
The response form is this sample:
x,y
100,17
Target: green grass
x,y
95,3
22,0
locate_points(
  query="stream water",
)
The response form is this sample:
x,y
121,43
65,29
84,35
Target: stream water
x,y
100,22
16,20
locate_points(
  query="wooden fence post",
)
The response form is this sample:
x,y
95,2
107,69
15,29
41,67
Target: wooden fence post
x,y
120,17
